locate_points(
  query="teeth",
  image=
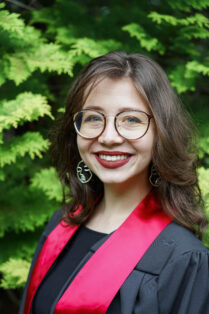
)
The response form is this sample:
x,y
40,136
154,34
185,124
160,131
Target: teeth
x,y
113,158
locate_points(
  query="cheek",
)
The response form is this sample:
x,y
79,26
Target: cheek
x,y
146,143
145,148
83,147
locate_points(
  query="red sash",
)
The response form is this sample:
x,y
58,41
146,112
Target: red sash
x,y
97,283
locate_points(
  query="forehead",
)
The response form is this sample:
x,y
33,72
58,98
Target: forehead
x,y
115,95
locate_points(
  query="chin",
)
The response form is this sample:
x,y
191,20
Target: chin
x,y
113,179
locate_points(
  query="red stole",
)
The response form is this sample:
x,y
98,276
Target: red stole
x,y
96,284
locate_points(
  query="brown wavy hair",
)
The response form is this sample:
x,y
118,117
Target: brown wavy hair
x,y
174,154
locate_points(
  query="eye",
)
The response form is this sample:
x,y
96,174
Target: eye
x,y
131,119
92,118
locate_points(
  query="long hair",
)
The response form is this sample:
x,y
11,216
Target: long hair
x,y
174,153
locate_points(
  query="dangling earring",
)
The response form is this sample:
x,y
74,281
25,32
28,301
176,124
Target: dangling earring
x,y
154,177
84,174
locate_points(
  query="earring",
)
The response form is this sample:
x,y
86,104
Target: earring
x,y
154,177
84,174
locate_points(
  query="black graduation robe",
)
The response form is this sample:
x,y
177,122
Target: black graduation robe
x,y
172,276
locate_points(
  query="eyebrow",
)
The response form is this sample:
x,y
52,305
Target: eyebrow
x,y
121,109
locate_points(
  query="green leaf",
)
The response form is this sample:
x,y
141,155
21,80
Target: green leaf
x,y
15,272
23,208
203,182
197,19
47,181
203,146
192,31
163,18
1,138
65,35
26,107
2,5
31,143
61,110
144,39
2,175
2,72
19,245
195,66
50,57
188,5
179,80
93,48
18,69
11,22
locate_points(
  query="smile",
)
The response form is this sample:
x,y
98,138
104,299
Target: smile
x,y
113,158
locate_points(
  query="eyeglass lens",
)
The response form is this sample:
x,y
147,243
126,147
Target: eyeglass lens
x,y
129,124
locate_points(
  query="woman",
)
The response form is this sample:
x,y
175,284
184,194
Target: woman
x,y
125,242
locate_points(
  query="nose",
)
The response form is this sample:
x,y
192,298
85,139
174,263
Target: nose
x,y
110,136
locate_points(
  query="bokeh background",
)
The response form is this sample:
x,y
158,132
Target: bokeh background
x,y
43,45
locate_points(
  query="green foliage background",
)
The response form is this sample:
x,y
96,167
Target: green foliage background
x,y
41,50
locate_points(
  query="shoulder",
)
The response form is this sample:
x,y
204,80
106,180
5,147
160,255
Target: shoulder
x,y
53,222
174,244
185,273
182,239
187,251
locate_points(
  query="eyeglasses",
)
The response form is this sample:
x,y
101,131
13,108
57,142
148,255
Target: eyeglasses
x,y
131,124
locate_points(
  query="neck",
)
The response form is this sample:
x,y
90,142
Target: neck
x,y
120,199
117,204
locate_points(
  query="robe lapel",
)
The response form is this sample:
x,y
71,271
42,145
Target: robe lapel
x,y
96,284
52,247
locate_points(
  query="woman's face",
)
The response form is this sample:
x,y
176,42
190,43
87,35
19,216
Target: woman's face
x,y
132,156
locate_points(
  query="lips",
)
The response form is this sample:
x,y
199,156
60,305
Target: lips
x,y
112,159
